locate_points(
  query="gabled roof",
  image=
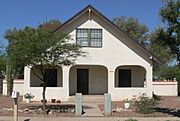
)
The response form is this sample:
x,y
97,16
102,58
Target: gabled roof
x,y
152,56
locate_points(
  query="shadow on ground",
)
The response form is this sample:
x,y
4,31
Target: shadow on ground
x,y
172,112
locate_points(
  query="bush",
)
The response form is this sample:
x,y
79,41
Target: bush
x,y
144,104
131,119
156,97
167,72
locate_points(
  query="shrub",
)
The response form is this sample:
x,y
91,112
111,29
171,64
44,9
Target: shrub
x,y
144,104
28,96
156,97
131,119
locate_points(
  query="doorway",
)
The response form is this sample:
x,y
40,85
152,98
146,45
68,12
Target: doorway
x,y
82,81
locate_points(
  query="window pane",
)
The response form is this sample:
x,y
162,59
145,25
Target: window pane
x,y
82,37
96,42
96,37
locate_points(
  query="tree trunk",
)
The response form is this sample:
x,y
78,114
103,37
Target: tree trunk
x,y
1,85
44,98
178,60
9,79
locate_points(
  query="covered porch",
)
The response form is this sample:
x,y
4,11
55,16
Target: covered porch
x,y
121,82
88,80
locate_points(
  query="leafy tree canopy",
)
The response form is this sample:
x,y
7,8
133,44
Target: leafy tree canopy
x,y
167,38
133,27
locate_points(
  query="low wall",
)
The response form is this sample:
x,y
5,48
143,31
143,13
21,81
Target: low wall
x,y
165,88
18,86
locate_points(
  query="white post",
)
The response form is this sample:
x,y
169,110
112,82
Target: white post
x,y
149,81
27,77
15,97
110,80
65,70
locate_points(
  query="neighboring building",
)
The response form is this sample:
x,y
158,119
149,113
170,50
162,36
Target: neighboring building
x,y
115,63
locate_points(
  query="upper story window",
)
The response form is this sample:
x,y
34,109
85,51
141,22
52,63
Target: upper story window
x,y
89,37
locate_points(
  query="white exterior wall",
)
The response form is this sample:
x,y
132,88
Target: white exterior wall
x,y
60,93
117,50
113,53
165,88
18,86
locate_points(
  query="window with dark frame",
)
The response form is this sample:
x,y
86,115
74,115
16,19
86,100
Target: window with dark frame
x,y
89,37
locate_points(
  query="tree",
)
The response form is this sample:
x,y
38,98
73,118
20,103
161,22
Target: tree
x,y
50,25
134,28
169,35
2,71
158,47
15,68
36,47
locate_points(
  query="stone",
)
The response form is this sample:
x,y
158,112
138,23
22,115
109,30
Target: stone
x,y
107,104
78,104
39,110
26,109
119,109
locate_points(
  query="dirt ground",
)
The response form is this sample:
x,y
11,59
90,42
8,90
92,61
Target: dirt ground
x,y
33,108
167,107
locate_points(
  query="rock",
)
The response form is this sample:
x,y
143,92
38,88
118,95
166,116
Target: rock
x,y
50,112
39,110
26,109
119,109
20,111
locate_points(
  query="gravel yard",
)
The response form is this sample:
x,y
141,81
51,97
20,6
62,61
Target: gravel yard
x,y
167,107
34,108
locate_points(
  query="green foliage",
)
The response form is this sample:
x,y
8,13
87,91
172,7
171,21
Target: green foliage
x,y
167,38
156,97
2,65
167,72
144,104
134,28
42,49
158,47
131,119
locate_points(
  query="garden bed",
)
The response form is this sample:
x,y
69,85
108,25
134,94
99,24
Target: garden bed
x,y
166,107
35,108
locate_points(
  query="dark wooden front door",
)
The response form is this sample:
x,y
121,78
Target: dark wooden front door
x,y
82,81
124,78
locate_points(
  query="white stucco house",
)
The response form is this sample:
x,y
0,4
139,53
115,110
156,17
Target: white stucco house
x,y
115,63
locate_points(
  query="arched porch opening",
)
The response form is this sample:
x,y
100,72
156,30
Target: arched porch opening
x,y
88,79
54,75
130,76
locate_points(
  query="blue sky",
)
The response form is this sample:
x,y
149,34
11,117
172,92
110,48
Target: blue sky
x,y
20,13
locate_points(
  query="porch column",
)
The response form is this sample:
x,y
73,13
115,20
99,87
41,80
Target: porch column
x,y
149,81
27,78
65,71
110,80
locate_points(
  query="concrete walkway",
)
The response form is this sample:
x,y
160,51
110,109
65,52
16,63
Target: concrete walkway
x,y
91,110
87,119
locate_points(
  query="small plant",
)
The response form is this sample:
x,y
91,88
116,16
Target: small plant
x,y
28,96
144,104
131,119
126,101
156,97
